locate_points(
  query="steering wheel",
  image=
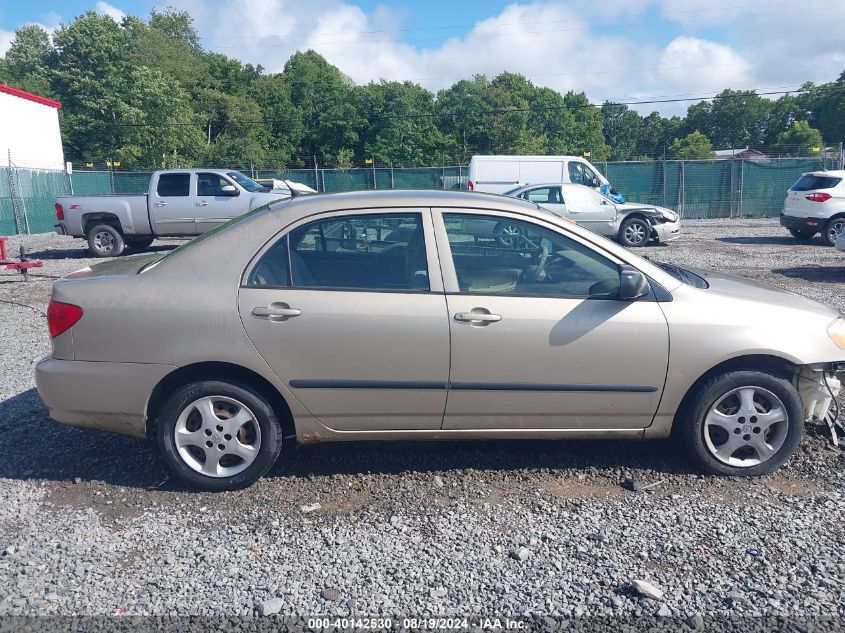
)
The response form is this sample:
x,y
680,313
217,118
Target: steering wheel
x,y
540,269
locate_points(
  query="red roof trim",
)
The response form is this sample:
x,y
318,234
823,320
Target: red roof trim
x,y
28,95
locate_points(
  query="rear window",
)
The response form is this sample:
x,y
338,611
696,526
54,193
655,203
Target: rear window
x,y
171,185
809,182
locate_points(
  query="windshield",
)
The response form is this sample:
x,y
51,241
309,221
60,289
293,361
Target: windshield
x,y
510,192
245,181
683,275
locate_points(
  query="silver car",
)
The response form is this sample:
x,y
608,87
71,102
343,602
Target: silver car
x,y
391,315
631,224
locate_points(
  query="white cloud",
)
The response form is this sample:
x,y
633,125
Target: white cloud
x,y
6,38
104,8
692,64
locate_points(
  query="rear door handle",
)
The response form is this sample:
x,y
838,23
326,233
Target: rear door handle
x,y
275,312
202,203
469,317
161,203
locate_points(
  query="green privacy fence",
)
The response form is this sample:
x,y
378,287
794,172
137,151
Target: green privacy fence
x,y
696,189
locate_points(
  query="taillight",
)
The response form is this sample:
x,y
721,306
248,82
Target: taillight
x,y
470,186
60,212
61,317
818,197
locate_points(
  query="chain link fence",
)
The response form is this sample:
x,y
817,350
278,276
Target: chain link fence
x,y
696,189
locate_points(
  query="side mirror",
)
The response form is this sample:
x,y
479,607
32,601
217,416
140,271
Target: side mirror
x,y
596,182
229,190
632,283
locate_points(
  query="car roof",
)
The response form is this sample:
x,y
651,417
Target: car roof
x,y
318,203
552,184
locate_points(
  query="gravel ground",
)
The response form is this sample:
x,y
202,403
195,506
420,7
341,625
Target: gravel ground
x,y
90,524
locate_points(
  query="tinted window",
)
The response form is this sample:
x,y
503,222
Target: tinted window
x,y
810,183
496,255
272,268
246,182
210,184
545,195
367,252
171,185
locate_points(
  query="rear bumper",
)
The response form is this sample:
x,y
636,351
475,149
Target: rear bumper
x,y
99,395
667,231
802,224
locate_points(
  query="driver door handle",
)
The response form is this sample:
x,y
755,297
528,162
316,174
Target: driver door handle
x,y
275,312
161,203
469,317
202,203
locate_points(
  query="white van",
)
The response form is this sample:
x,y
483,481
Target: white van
x,y
497,174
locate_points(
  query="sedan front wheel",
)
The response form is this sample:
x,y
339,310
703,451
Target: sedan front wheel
x,y
217,435
743,423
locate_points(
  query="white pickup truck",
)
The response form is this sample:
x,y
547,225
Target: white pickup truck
x,y
179,203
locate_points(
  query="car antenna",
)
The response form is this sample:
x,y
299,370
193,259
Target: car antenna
x,y
293,192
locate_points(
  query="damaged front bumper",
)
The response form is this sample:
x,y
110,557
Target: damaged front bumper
x,y
818,387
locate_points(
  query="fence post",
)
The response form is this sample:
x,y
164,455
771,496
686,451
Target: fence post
x,y
392,182
682,193
375,183
111,174
741,181
316,174
731,189
663,179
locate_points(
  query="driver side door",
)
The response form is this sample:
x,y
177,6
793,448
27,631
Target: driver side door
x,y
215,206
538,339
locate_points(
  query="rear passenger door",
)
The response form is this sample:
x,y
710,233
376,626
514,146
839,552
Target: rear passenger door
x,y
172,205
348,310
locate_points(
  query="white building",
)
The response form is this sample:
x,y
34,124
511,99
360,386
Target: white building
x,y
29,130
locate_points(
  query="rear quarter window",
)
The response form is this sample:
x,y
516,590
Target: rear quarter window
x,y
811,183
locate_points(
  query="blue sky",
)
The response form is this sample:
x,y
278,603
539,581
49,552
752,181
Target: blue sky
x,y
614,49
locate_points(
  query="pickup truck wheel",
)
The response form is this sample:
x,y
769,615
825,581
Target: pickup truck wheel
x,y
217,435
105,241
138,244
634,232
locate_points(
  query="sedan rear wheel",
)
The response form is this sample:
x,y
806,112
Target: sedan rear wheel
x,y
218,436
743,423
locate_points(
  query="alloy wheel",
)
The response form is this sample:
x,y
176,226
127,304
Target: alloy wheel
x,y
217,436
746,426
834,229
634,233
104,241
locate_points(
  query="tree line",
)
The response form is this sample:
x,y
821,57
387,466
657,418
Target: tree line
x,y
145,93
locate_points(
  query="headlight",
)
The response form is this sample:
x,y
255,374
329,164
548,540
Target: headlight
x,y
669,215
836,331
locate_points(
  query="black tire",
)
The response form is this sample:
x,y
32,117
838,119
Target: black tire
x,y
268,449
634,232
694,434
833,227
138,243
105,241
801,236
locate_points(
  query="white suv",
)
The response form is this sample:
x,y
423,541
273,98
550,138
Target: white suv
x,y
816,203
